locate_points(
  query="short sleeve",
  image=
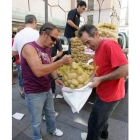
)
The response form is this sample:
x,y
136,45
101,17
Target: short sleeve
x,y
15,44
37,35
115,54
71,15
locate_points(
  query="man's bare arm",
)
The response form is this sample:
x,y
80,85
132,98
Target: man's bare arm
x,y
125,50
58,55
57,81
54,74
14,53
39,69
121,71
72,24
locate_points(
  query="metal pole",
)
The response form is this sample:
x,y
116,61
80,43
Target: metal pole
x,y
46,11
100,4
99,13
29,5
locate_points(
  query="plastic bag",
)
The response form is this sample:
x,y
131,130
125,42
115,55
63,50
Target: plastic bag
x,y
76,98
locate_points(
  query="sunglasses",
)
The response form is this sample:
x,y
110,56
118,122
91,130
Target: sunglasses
x,y
52,38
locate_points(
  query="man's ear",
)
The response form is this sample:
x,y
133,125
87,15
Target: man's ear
x,y
96,33
34,22
44,33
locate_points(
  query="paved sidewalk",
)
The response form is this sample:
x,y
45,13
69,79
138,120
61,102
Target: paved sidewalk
x,y
74,125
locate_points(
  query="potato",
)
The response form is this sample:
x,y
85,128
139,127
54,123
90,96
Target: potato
x,y
72,76
74,66
69,82
79,71
72,86
67,72
74,82
66,84
84,77
72,70
80,85
65,77
80,79
86,82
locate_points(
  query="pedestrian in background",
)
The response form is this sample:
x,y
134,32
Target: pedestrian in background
x,y
17,62
73,21
25,35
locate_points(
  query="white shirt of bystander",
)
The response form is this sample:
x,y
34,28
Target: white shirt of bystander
x,y
24,36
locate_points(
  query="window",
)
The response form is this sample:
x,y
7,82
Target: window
x,y
91,5
90,19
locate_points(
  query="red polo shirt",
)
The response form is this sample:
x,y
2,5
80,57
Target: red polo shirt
x,y
108,57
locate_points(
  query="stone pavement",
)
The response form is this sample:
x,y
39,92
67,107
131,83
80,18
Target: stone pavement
x,y
74,125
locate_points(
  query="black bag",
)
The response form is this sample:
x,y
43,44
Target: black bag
x,y
13,58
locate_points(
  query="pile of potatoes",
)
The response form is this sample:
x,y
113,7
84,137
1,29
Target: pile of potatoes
x,y
107,30
74,77
106,25
81,57
88,69
59,71
77,51
75,41
76,32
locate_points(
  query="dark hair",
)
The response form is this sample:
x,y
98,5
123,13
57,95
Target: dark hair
x,y
13,35
90,29
48,27
81,3
30,19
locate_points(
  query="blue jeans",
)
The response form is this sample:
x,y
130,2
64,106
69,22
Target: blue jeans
x,y
20,76
69,49
99,116
36,102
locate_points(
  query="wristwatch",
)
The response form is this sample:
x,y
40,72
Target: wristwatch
x,y
55,78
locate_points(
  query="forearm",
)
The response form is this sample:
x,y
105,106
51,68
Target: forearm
x,y
59,53
54,74
14,53
45,69
72,24
120,72
125,50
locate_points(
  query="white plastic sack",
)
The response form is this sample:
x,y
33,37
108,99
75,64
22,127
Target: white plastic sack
x,y
76,98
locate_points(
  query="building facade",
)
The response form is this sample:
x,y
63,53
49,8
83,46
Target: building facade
x,y
109,12
124,18
58,11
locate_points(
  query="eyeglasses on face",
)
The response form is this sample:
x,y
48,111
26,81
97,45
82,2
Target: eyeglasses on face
x,y
52,38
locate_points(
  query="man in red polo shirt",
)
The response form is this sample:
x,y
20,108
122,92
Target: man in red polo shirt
x,y
111,67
